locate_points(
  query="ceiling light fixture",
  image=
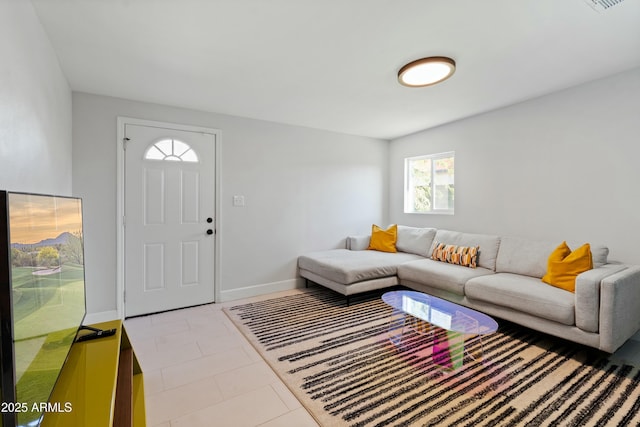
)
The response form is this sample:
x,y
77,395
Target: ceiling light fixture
x,y
426,71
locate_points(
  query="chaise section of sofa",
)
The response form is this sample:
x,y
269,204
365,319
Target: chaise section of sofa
x,y
356,269
350,272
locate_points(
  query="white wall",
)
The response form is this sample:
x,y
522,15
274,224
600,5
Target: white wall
x,y
305,190
35,107
563,166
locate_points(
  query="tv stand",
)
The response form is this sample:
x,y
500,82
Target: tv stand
x,y
101,383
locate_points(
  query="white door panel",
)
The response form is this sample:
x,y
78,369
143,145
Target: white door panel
x,y
169,199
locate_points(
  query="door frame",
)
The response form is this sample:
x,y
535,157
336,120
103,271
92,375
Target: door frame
x,y
120,195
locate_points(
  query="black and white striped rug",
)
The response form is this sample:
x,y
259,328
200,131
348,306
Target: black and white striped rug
x,y
341,365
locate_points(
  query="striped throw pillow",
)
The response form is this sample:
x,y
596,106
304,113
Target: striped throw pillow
x,y
460,255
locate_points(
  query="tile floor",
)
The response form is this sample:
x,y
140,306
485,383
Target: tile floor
x,y
201,372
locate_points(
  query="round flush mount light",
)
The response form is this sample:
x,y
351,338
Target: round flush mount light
x,y
426,71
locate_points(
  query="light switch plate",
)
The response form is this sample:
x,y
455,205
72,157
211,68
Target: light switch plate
x,y
238,201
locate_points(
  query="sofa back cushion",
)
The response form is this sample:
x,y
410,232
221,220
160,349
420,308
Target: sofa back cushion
x,y
530,257
414,240
488,244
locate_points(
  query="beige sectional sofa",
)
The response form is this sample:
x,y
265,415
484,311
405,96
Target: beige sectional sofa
x,y
603,312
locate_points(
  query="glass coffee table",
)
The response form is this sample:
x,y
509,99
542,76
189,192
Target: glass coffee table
x,y
449,324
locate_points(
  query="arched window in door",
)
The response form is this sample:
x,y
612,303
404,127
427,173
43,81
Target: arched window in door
x,y
171,150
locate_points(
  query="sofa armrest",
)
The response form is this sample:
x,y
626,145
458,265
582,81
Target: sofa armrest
x,y
619,308
587,295
358,243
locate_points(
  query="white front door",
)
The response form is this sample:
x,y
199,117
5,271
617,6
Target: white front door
x,y
169,224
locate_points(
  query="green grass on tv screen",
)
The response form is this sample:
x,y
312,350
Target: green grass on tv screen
x,y
48,308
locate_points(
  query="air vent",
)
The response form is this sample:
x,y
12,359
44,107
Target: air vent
x,y
602,5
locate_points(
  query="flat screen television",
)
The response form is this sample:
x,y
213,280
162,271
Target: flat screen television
x,y
42,298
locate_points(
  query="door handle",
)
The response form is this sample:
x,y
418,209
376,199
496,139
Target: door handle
x,y
209,231
209,220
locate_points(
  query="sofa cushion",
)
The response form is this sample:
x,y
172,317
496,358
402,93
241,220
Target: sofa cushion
x,y
415,240
529,257
488,245
358,243
347,266
524,293
599,253
449,277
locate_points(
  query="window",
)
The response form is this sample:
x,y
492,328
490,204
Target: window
x,y
171,150
429,184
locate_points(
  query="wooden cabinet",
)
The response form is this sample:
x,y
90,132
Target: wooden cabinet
x,y
101,384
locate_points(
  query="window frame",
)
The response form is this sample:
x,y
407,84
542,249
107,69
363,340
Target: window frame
x,y
409,198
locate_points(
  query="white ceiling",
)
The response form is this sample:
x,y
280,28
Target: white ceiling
x,y
332,64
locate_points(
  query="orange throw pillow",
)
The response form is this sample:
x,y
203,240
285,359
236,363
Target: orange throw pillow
x,y
460,255
564,266
383,240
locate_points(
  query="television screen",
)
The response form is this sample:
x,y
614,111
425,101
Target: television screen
x,y
43,297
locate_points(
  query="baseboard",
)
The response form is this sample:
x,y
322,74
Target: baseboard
x,y
256,290
103,316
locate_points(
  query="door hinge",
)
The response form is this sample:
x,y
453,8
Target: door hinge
x,y
124,221
124,143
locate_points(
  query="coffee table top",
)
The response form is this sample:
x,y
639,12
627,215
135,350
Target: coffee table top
x,y
442,313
